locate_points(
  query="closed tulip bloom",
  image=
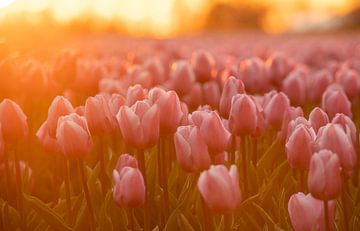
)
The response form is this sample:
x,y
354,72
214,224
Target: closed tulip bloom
x,y
60,106
291,114
324,180
195,97
126,160
154,94
203,64
307,213
299,147
278,66
347,124
220,189
318,118
13,121
211,94
294,86
156,69
253,74
349,80
73,136
275,110
182,77
139,124
318,83
48,143
243,115
231,87
335,139
335,101
135,93
115,102
129,188
170,112
191,150
98,115
293,124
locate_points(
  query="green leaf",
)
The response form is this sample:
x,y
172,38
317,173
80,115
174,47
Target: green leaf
x,y
49,215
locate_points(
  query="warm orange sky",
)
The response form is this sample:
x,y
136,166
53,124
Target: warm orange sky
x,y
159,16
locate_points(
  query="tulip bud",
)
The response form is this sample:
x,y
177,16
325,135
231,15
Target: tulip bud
x,y
98,115
231,87
211,94
115,102
135,93
293,124
347,124
295,88
253,74
191,150
307,213
299,147
204,65
291,114
335,101
335,139
60,106
73,136
48,143
139,124
243,115
195,97
324,180
349,80
126,160
13,121
318,118
275,109
278,66
156,69
182,77
129,188
318,83
220,188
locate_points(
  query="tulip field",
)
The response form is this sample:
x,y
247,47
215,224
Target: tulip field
x,y
210,132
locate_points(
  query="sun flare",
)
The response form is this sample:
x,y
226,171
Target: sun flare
x,y
5,3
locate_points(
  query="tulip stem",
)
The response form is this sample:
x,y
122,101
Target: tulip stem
x,y
326,213
162,175
104,180
206,217
87,194
255,141
244,162
67,190
228,222
130,213
19,190
142,166
344,204
232,150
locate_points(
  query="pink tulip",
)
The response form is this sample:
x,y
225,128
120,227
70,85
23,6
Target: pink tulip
x,y
293,124
243,115
13,121
126,160
60,106
275,109
349,80
139,124
156,69
307,213
135,93
182,77
115,102
347,124
80,110
324,180
98,115
335,139
220,188
211,94
48,143
253,74
335,101
191,150
295,88
195,97
278,66
318,83
318,118
129,188
73,136
204,65
299,147
291,114
231,87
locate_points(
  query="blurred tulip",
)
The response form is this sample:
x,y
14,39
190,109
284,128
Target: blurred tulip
x,y
278,66
307,213
295,88
13,121
211,94
318,118
33,78
135,93
182,77
60,106
253,74
335,101
191,150
129,188
65,67
220,188
156,69
349,80
126,160
275,109
115,102
139,124
195,97
73,136
291,114
347,124
318,82
203,64
231,87
324,180
335,139
48,143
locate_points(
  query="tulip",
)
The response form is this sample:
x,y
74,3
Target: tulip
x,y
98,115
220,188
278,66
139,76
156,69
324,180
307,213
275,109
299,147
33,78
139,124
335,139
231,87
13,121
347,124
243,115
195,97
335,101
65,67
318,118
73,136
294,87
291,114
48,143
182,77
211,94
253,74
126,160
293,124
111,86
203,64
318,83
135,93
60,106
115,102
191,150
129,188
349,80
